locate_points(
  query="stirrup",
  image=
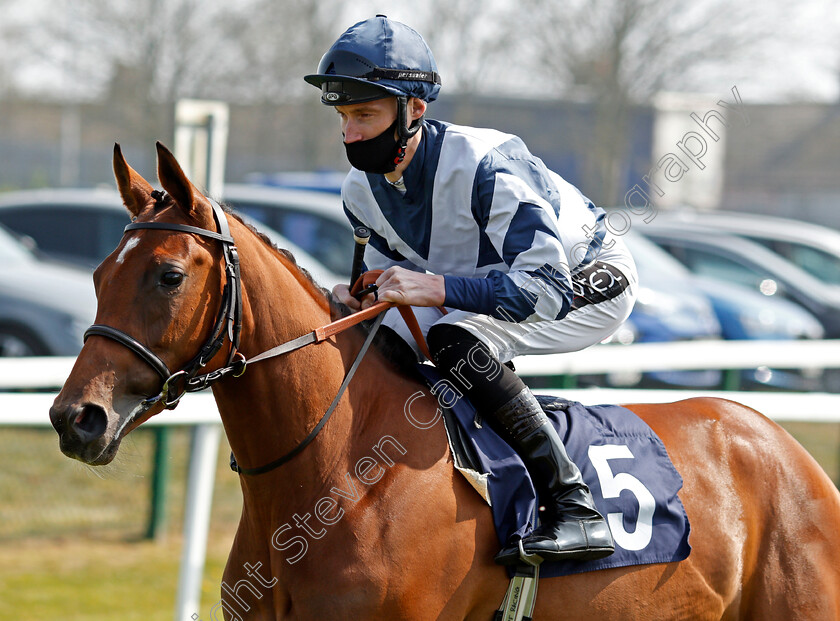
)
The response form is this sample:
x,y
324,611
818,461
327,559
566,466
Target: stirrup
x,y
533,560
524,558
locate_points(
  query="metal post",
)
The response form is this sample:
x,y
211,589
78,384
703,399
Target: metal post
x,y
156,528
731,379
201,477
568,380
201,131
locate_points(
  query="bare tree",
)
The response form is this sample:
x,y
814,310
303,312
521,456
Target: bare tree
x,y
164,43
6,62
277,43
139,55
619,53
143,55
467,43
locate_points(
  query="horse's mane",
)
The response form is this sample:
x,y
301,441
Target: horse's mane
x,y
282,251
392,347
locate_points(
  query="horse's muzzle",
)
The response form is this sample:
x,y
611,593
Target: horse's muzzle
x,y
81,429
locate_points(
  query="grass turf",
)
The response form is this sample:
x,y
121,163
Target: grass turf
x,y
70,537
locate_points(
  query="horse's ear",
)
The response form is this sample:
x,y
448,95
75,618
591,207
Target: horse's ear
x,y
174,181
134,189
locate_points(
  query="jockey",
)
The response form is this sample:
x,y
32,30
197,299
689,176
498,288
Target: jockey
x,y
470,220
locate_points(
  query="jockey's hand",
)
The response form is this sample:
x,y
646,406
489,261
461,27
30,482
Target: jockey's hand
x,y
341,292
402,286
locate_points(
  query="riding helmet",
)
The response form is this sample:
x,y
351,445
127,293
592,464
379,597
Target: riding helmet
x,y
376,58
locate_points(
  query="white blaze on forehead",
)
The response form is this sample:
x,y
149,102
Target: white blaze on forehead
x,y
128,246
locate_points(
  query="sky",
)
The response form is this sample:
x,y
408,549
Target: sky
x,y
811,69
808,71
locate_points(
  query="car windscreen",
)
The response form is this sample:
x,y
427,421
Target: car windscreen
x,y
67,232
821,264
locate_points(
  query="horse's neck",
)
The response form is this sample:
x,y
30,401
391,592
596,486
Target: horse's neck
x,y
362,468
277,402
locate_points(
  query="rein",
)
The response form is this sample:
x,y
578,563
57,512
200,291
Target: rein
x,y
229,324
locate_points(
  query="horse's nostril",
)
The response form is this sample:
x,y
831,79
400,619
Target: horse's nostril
x,y
57,420
89,422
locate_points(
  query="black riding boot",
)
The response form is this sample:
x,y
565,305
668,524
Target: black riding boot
x,y
571,526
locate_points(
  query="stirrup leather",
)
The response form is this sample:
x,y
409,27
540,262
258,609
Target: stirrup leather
x,y
521,596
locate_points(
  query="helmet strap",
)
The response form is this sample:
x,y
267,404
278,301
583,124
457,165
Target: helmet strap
x,y
404,130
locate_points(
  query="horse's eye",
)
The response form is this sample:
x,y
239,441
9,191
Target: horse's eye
x,y
171,279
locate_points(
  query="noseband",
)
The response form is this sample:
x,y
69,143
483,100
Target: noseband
x,y
228,322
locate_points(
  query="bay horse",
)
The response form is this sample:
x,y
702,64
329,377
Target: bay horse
x,y
369,520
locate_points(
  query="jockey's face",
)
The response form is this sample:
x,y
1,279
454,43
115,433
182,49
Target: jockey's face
x,y
367,120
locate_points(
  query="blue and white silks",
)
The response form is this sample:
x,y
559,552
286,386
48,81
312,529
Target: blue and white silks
x,y
505,231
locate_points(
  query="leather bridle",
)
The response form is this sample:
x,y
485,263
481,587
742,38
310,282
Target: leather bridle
x,y
228,323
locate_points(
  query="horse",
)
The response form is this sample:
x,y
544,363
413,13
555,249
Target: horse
x,y
369,520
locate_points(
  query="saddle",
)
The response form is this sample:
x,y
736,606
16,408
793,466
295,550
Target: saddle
x,y
622,460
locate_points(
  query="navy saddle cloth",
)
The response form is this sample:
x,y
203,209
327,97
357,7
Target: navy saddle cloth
x,y
622,460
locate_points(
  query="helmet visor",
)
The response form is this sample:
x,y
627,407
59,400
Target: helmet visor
x,y
345,92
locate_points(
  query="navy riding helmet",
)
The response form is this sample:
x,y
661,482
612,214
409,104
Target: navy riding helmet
x,y
378,58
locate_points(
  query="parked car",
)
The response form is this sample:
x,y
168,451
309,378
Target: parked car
x,y
312,220
316,221
45,308
734,259
812,247
83,226
740,312
73,225
668,308
665,311
666,292
319,180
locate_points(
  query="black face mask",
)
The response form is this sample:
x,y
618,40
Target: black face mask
x,y
379,155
